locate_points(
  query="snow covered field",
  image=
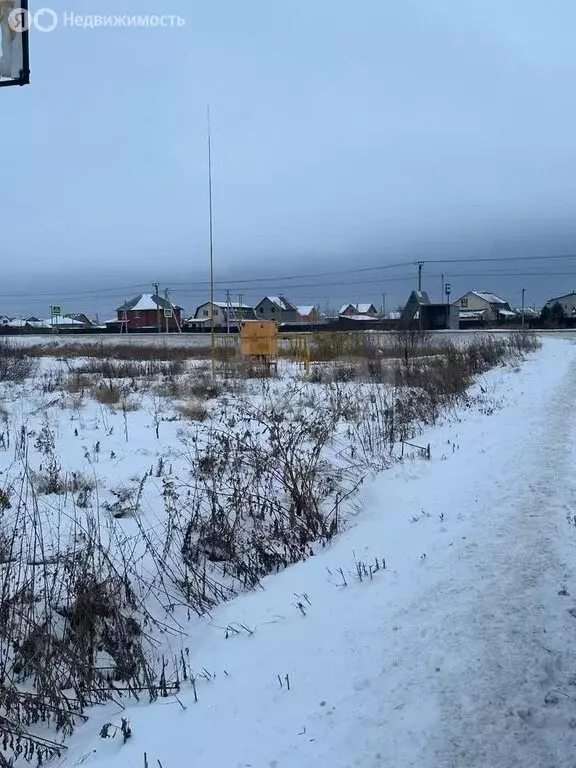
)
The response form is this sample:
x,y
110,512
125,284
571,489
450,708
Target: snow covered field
x,y
435,631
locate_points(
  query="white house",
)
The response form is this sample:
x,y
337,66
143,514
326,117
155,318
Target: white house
x,y
226,314
567,302
485,306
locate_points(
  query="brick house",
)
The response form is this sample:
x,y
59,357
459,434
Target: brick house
x,y
308,314
147,312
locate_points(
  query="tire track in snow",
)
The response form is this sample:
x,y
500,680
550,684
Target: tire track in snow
x,y
512,629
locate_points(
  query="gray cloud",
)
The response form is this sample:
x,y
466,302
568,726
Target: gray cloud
x,y
344,134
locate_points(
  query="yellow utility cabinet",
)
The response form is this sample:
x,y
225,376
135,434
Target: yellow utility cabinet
x,y
259,338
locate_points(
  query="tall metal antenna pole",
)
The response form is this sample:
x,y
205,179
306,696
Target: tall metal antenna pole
x,y
212,336
158,326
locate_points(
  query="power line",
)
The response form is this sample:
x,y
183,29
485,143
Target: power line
x,y
381,267
277,280
96,295
250,285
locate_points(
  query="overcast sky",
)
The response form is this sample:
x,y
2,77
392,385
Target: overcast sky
x,y
345,135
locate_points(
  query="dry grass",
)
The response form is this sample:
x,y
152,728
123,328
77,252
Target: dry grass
x,y
110,368
361,345
193,411
106,394
76,383
133,352
15,363
52,480
198,383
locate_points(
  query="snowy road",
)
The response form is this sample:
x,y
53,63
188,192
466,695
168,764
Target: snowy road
x,y
458,655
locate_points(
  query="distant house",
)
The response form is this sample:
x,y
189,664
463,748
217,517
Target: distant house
x,y
420,313
308,314
567,302
28,325
80,317
71,322
148,312
226,315
36,323
349,310
276,308
529,313
483,306
66,323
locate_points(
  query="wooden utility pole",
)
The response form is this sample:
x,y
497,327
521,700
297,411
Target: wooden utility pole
x,y
166,318
420,265
523,295
174,314
228,310
124,319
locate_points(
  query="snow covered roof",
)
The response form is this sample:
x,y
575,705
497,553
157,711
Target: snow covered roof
x,y
472,314
394,315
15,322
305,310
559,298
360,309
526,311
507,313
491,298
231,304
282,303
147,301
59,320
365,318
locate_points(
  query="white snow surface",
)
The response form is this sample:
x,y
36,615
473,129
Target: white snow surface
x,y
491,298
458,655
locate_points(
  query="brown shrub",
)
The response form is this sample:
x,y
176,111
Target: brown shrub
x,y
141,352
76,383
193,411
106,394
110,368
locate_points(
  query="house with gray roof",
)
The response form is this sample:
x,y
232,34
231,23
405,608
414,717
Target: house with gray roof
x,y
484,307
567,302
277,308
